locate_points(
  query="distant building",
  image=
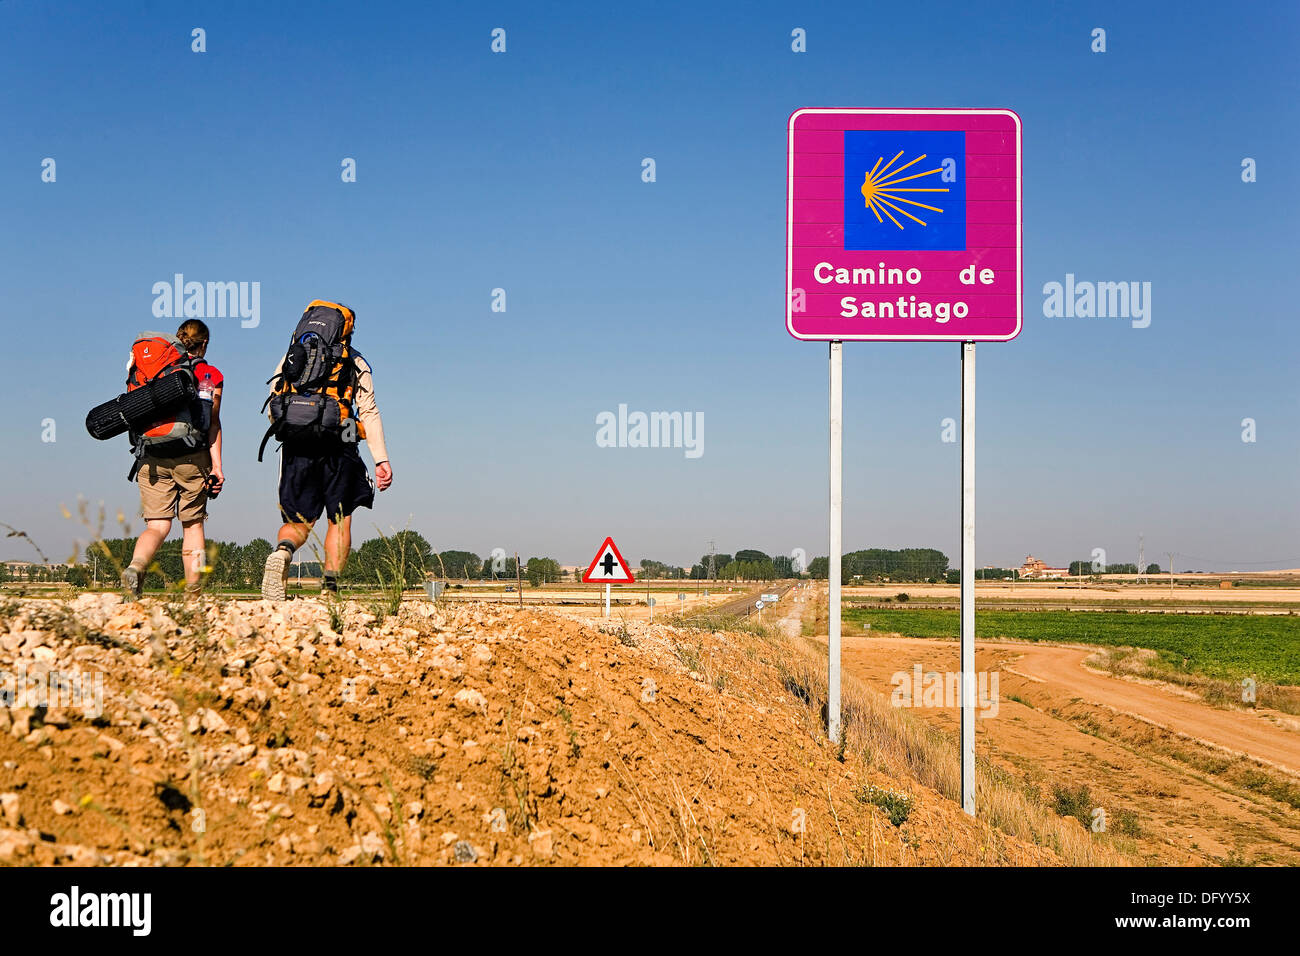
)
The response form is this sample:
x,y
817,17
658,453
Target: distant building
x,y
1035,569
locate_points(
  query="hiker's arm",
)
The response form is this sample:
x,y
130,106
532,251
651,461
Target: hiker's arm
x,y
368,414
214,440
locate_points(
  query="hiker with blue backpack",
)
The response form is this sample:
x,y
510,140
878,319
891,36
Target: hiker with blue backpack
x,y
322,406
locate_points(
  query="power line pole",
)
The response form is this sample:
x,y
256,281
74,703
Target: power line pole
x,y
1142,560
519,580
1171,572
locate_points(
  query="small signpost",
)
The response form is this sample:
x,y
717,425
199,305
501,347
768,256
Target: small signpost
x,y
608,567
905,225
769,598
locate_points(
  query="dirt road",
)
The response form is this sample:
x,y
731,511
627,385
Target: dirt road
x,y
1264,734
1137,747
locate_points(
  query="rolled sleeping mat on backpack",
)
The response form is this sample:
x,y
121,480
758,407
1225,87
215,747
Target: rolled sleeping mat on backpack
x,y
141,408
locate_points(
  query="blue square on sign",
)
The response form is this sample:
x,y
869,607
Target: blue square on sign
x,y
904,189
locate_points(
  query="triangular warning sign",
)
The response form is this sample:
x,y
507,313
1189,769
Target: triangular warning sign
x,y
608,566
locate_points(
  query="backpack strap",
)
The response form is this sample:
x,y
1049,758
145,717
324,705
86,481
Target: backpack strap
x,y
275,427
137,450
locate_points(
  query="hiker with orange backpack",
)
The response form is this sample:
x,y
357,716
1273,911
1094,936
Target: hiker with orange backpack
x,y
321,406
172,411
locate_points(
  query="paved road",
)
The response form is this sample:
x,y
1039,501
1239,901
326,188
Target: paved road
x,y
743,604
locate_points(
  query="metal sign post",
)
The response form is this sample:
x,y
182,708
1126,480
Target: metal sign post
x,y
868,261
968,577
837,507
607,600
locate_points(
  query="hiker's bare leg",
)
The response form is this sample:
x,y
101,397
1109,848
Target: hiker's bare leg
x,y
296,532
338,542
192,551
155,533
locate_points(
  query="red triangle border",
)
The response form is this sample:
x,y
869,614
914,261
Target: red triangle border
x,y
586,578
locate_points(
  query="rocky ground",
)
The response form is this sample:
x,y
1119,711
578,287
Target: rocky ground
x,y
250,733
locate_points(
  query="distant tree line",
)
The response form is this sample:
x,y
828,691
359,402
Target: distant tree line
x,y
42,573
239,566
700,569
233,566
877,564
1005,574
985,574
661,570
748,564
1086,567
542,571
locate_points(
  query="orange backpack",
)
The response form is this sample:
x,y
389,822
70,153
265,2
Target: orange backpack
x,y
155,356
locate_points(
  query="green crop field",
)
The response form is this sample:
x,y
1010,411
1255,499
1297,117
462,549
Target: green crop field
x,y
1230,646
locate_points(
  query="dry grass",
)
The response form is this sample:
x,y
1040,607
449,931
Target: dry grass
x,y
904,747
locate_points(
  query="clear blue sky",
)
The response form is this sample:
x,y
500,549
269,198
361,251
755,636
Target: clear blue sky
x,y
523,171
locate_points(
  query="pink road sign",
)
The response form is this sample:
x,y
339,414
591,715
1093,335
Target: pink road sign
x,y
903,225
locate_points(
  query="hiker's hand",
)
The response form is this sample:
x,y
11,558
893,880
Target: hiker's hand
x,y
219,481
383,476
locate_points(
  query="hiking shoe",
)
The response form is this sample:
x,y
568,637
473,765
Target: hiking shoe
x,y
132,584
275,579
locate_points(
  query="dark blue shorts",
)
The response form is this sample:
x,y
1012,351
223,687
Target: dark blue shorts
x,y
335,482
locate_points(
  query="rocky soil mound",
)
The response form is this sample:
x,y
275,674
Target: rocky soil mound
x,y
250,733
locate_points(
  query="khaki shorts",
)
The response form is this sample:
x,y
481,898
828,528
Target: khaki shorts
x,y
175,487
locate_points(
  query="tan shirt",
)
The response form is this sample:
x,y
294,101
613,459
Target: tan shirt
x,y
363,400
